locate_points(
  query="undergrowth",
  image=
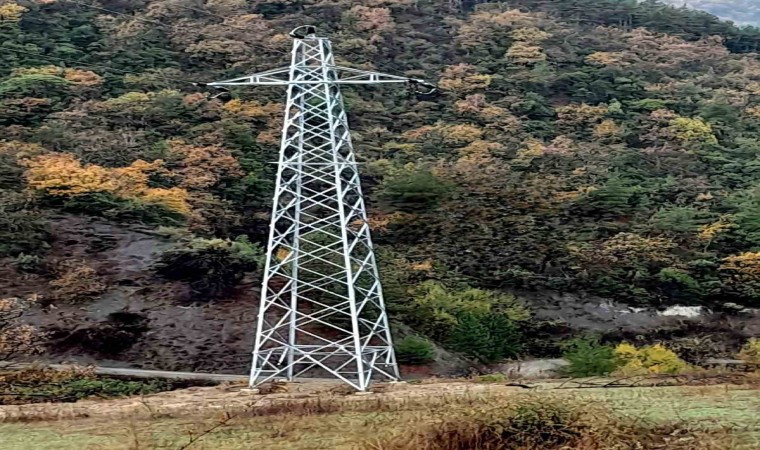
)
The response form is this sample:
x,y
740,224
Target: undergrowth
x,y
48,385
540,423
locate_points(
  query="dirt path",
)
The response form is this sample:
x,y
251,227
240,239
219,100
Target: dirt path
x,y
200,401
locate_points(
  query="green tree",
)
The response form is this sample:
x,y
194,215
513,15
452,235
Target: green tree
x,y
587,357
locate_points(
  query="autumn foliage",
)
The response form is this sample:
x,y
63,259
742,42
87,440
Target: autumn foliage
x,y
62,175
77,282
16,337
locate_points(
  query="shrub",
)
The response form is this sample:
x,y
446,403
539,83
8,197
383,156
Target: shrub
x,y
651,359
62,175
540,423
492,378
531,423
77,282
212,266
106,339
436,308
43,375
489,337
414,350
16,337
587,357
22,230
414,190
114,208
750,352
36,385
27,263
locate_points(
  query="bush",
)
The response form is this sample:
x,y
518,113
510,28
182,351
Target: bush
x,y
77,282
16,337
750,352
414,191
76,383
105,339
414,350
492,378
587,357
114,208
435,308
651,359
22,230
489,337
531,423
212,266
27,263
541,423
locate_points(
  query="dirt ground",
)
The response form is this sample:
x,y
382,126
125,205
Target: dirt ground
x,y
159,327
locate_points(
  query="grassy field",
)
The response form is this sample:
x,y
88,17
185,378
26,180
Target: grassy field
x,y
732,413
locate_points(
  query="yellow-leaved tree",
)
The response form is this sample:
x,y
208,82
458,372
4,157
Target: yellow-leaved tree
x,y
62,175
742,273
688,130
750,352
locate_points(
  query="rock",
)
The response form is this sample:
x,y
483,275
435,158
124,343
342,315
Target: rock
x,y
536,368
683,311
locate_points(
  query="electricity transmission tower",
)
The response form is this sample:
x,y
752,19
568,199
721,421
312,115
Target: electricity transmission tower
x,y
321,309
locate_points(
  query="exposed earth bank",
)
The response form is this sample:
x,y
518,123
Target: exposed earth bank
x,y
143,321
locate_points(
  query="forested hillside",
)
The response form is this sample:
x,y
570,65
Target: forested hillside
x,y
585,146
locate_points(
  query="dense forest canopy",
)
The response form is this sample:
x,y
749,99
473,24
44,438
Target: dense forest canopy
x,y
602,146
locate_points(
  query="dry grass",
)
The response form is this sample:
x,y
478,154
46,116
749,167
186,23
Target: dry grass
x,y
538,422
442,416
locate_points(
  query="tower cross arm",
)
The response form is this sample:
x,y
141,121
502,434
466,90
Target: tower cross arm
x,y
274,77
303,75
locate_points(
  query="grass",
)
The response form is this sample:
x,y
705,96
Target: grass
x,y
390,425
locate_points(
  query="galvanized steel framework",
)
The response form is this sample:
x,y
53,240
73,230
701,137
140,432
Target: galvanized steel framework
x,y
321,308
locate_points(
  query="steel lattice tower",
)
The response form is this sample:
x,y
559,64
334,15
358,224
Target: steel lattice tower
x,y
321,309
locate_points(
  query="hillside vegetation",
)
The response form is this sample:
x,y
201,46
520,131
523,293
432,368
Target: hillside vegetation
x,y
582,146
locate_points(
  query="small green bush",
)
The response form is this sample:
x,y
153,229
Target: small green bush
x,y
22,229
492,378
588,357
27,263
82,388
414,350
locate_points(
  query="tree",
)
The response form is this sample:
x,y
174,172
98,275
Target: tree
x,y
414,190
61,175
588,357
488,338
